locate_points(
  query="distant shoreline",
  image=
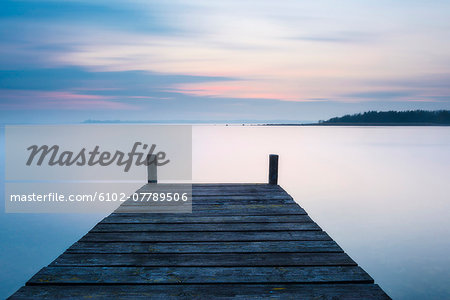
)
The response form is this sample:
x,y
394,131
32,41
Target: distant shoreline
x,y
369,118
359,124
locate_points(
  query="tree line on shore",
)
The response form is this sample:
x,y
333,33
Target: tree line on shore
x,y
409,116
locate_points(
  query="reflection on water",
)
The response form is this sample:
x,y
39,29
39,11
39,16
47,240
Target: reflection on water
x,y
381,192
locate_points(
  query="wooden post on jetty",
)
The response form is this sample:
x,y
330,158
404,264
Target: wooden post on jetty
x,y
152,172
273,169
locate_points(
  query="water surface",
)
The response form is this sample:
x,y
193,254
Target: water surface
x,y
381,192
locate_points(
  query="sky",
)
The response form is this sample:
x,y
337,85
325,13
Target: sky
x,y
71,61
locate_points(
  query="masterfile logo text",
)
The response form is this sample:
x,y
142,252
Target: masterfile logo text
x,y
53,156
98,168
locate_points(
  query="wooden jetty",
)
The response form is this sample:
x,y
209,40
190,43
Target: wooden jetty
x,y
246,241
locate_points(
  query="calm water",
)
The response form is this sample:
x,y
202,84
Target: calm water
x,y
382,193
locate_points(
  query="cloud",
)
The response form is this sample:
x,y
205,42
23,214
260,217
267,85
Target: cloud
x,y
438,80
57,100
75,77
341,37
427,87
380,94
75,88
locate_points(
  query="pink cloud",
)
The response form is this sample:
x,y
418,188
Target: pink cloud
x,y
24,99
248,90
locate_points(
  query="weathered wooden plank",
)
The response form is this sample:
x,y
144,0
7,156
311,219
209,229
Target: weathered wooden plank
x,y
247,201
219,190
218,200
104,227
238,192
265,197
216,186
236,198
254,209
211,212
242,193
234,190
223,206
178,275
213,291
232,184
171,219
157,209
236,185
206,247
225,236
202,259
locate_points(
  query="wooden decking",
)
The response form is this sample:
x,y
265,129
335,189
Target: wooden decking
x,y
242,240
